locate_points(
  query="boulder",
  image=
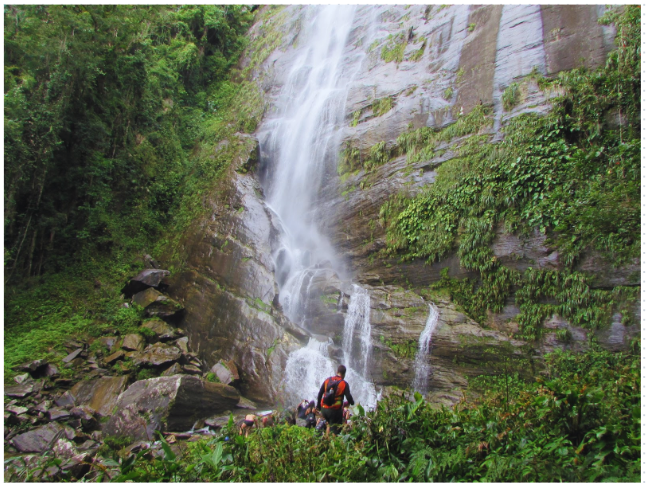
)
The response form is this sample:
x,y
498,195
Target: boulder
x,y
192,369
112,358
20,390
149,278
133,341
226,371
73,355
156,354
32,366
22,378
57,414
218,422
109,342
16,409
168,404
39,440
176,368
43,406
99,394
182,344
73,462
65,399
156,304
163,331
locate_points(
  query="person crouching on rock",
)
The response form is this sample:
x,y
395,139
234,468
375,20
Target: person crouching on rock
x,y
311,417
330,399
249,421
300,413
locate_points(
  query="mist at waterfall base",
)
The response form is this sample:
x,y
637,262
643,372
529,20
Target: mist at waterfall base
x,y
298,143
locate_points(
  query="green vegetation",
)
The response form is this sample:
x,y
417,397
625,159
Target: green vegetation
x,y
417,55
448,93
511,96
112,114
404,350
580,422
356,118
394,49
471,27
382,106
565,175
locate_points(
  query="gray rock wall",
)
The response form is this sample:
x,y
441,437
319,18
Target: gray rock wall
x,y
456,57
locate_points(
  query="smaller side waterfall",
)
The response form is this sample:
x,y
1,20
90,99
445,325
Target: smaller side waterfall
x,y
358,315
421,365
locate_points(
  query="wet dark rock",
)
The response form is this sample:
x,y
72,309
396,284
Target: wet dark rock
x,y
156,355
64,400
99,394
20,391
40,439
149,278
75,464
226,371
43,406
246,404
163,331
11,419
57,414
73,355
167,404
112,358
133,341
176,368
64,382
89,445
218,422
32,366
192,369
22,378
182,344
156,304
16,409
83,412
109,342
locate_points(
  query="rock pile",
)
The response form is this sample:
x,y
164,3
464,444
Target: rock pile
x,y
124,386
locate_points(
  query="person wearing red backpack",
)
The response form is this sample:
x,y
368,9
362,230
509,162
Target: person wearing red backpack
x,y
330,399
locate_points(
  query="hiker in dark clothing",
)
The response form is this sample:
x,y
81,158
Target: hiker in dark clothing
x,y
300,413
311,417
330,399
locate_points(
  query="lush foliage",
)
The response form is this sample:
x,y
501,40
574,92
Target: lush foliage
x,y
112,116
106,112
573,175
579,422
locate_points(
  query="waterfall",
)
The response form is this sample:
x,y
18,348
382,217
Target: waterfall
x,y
421,361
358,315
298,142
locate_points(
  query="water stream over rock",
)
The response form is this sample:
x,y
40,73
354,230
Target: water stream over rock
x,y
300,145
421,365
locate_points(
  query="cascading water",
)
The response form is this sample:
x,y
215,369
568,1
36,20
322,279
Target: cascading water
x,y
358,315
421,361
301,141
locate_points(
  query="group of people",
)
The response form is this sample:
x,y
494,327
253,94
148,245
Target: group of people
x,y
329,412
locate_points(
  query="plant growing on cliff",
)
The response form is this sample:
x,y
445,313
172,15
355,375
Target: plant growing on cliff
x,y
565,175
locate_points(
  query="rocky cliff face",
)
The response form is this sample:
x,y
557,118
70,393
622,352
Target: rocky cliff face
x,y
421,66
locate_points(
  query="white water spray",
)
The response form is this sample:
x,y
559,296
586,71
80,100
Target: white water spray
x,y
420,382
299,143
